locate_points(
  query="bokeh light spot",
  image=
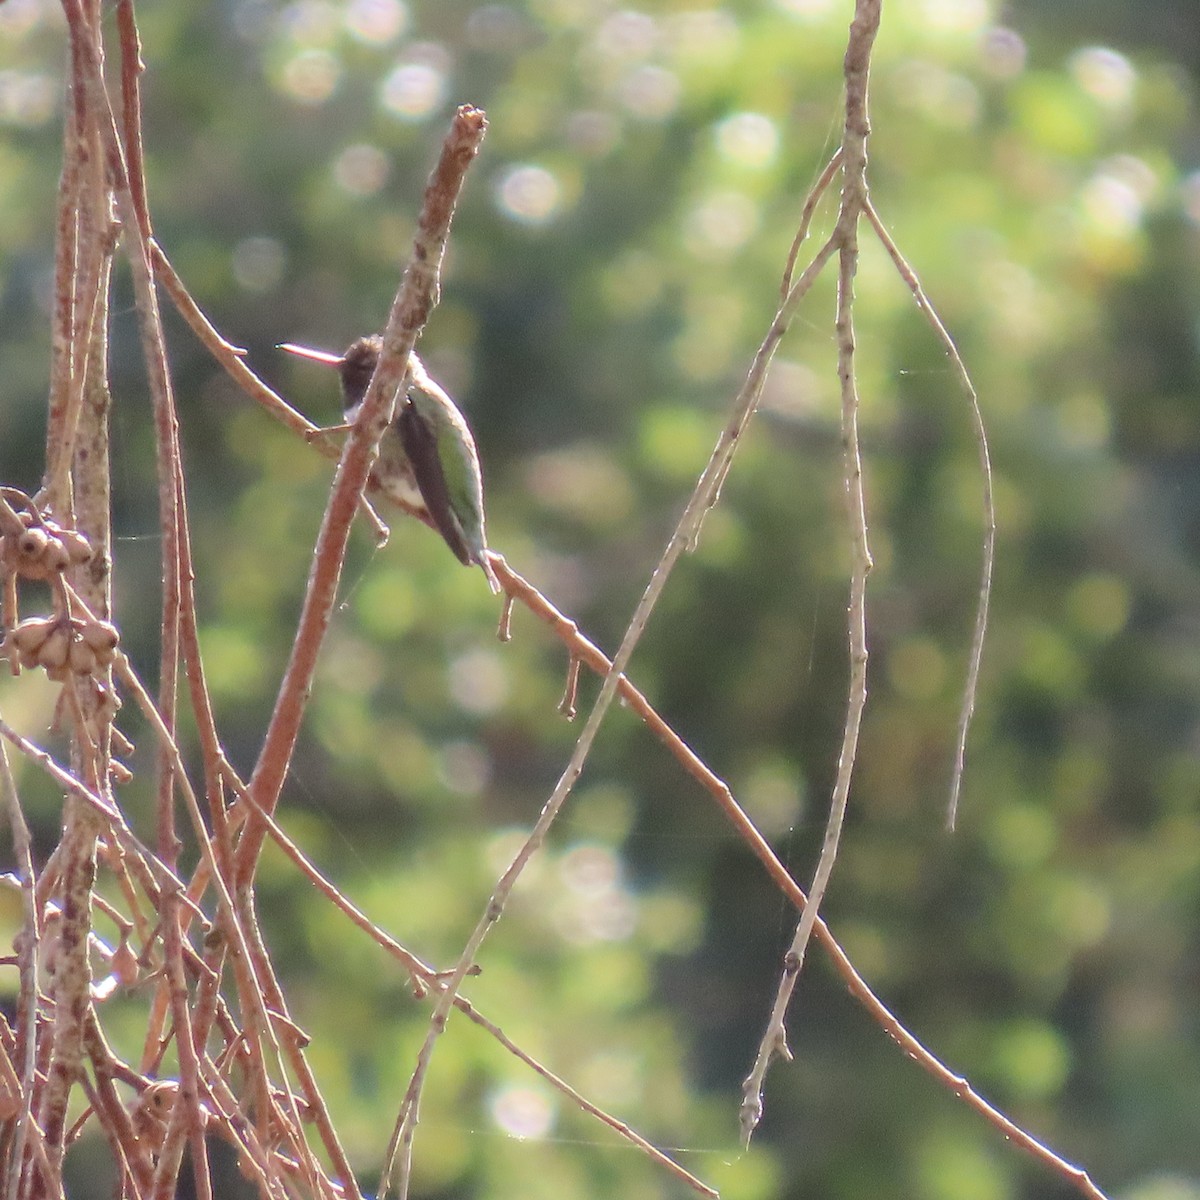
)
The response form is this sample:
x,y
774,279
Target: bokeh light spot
x,y
703,35
413,91
234,662
387,604
1106,75
523,1112
773,795
1111,206
19,17
1033,1059
1020,836
1002,52
950,1167
956,16
627,35
311,76
528,194
583,482
793,391
944,97
377,21
649,92
720,224
465,768
479,682
614,1077
258,263
27,98
590,870
748,140
361,170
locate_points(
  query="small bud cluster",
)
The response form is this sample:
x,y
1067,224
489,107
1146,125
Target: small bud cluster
x,y
72,645
63,646
34,547
43,549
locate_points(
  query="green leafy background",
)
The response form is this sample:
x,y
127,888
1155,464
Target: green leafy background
x,y
614,262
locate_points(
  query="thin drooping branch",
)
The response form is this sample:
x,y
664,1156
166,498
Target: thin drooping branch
x,y
975,660
806,216
854,198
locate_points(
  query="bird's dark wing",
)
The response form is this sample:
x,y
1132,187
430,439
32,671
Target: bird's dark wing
x,y
420,445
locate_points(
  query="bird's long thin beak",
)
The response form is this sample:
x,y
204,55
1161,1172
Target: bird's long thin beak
x,y
321,356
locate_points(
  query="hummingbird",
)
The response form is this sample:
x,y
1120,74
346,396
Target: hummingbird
x,y
427,465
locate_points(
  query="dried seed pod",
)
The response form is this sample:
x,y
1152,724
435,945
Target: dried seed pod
x,y
55,557
102,637
152,1111
79,549
118,772
28,637
53,652
81,658
31,545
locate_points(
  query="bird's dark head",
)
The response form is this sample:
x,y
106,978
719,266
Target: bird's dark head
x,y
357,366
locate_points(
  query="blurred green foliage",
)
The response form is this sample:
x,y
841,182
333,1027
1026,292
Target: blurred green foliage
x,y
614,262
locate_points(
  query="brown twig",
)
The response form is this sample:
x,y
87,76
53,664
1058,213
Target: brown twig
x,y
806,216
71,983
619,1126
27,960
131,113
